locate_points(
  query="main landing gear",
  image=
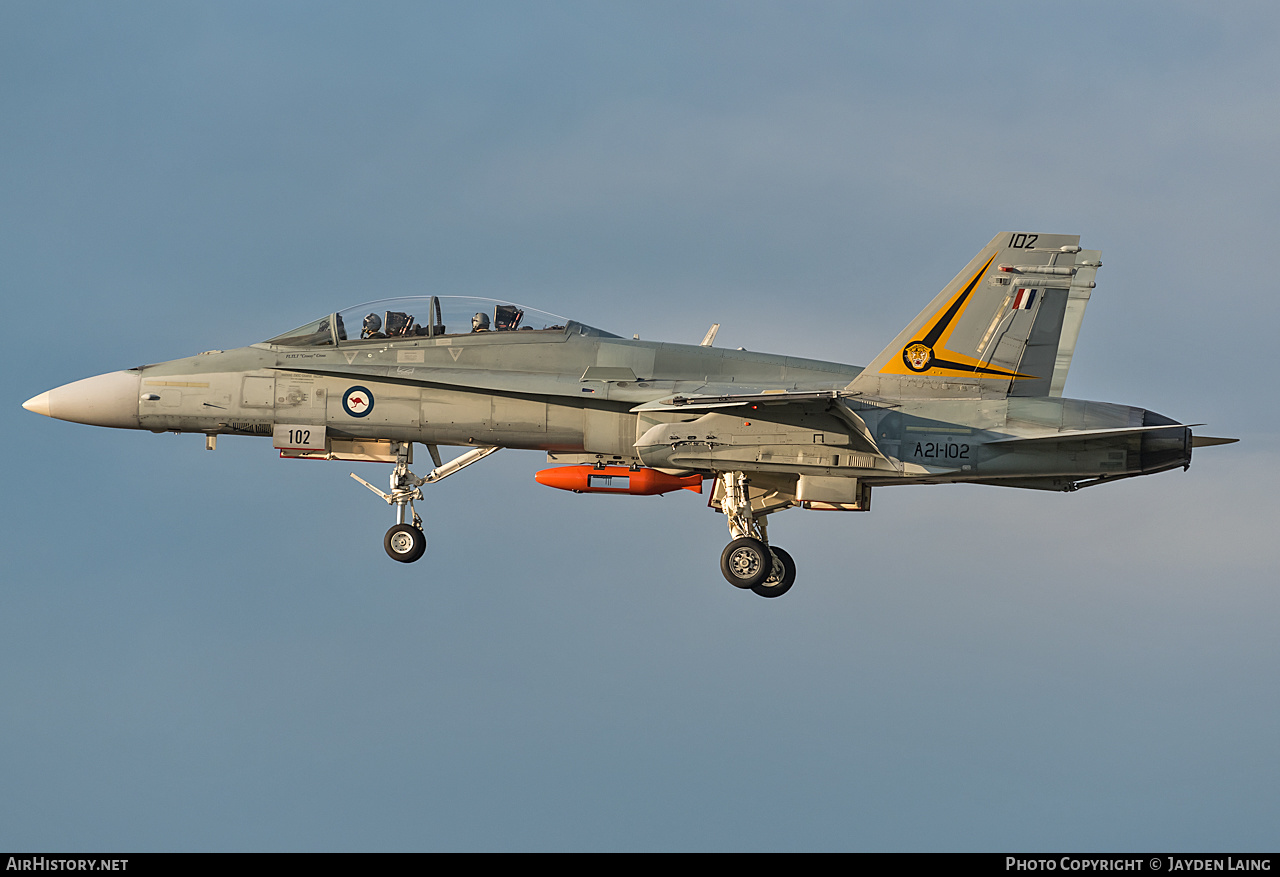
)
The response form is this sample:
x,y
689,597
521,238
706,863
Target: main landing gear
x,y
405,541
749,562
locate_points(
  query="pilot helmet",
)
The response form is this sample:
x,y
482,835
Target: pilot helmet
x,y
479,322
372,323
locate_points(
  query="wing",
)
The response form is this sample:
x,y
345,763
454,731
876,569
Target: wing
x,y
827,418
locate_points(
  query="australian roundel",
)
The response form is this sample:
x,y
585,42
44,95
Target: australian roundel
x,y
357,401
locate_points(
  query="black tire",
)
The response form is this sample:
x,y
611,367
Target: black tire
x,y
746,562
781,578
405,543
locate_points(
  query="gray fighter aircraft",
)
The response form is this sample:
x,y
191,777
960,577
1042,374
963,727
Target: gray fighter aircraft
x,y
970,390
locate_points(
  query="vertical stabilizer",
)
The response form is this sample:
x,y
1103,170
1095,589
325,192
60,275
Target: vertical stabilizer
x,y
1005,325
1087,264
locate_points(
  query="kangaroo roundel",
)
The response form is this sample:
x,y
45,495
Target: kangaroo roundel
x,y
357,402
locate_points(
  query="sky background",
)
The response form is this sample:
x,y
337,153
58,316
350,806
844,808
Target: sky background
x,y
210,651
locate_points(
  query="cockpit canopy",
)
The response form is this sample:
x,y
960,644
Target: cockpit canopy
x,y
432,316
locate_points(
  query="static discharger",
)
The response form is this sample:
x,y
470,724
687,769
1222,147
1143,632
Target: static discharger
x,y
616,479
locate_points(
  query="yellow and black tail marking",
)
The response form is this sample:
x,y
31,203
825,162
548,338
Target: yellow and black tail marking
x,y
929,355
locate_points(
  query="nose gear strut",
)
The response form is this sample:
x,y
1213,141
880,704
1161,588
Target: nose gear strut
x,y
405,541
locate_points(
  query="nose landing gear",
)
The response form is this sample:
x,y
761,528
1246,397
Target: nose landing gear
x,y
405,541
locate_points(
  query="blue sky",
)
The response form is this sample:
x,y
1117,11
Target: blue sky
x,y
207,651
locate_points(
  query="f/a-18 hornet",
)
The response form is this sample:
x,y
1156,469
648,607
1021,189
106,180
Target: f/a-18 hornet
x,y
969,391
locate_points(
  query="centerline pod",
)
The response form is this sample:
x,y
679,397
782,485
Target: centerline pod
x,y
616,479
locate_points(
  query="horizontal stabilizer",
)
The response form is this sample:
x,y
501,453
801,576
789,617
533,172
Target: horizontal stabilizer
x,y
1208,441
1081,434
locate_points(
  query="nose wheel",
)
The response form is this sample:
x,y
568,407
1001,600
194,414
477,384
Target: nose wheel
x,y
405,541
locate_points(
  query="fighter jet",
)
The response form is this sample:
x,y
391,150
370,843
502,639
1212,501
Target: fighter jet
x,y
970,391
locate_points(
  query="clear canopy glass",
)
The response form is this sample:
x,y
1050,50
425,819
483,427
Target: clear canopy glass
x,y
314,334
421,317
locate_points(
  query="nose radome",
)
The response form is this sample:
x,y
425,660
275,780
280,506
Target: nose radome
x,y
104,400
